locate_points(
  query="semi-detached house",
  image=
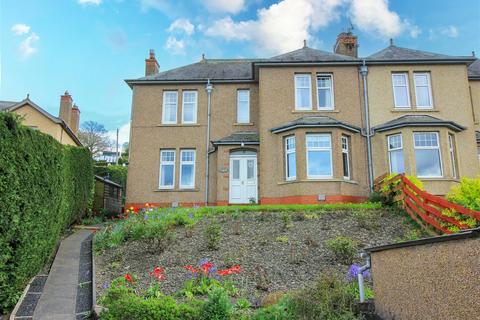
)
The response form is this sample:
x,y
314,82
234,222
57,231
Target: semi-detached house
x,y
307,126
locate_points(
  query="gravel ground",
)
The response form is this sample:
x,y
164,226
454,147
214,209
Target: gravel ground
x,y
268,264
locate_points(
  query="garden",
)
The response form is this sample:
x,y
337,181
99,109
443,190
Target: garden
x,y
246,262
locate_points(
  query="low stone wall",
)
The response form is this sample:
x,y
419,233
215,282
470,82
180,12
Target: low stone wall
x,y
436,278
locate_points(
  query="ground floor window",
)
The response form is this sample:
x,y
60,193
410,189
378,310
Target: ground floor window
x,y
187,169
346,157
167,169
395,153
427,154
290,158
319,156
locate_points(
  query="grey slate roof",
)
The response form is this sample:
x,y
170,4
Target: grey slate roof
x,y
307,54
4,105
393,53
417,121
245,137
314,122
107,181
474,70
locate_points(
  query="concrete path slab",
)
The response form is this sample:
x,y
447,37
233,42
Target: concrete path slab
x,y
59,295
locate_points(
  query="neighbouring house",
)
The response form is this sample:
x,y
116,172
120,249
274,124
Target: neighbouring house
x,y
108,157
293,129
474,81
63,128
107,196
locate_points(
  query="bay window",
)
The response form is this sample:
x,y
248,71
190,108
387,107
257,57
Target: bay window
x,y
170,100
303,92
167,169
423,90
401,94
290,158
187,169
427,154
395,153
325,91
319,156
189,107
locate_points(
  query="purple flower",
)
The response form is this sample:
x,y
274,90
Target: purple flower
x,y
190,215
203,261
105,285
145,217
353,273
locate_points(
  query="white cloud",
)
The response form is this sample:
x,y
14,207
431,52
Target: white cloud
x,y
182,25
282,26
175,45
161,5
95,2
225,6
27,46
449,31
375,17
20,28
123,134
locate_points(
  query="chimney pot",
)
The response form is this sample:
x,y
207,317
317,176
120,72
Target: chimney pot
x,y
66,104
346,44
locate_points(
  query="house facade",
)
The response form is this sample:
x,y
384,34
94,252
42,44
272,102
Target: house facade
x,y
307,126
63,128
474,81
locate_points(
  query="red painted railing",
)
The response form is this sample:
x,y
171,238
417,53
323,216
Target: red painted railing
x,y
425,208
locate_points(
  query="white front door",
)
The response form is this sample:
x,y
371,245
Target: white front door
x,y
243,178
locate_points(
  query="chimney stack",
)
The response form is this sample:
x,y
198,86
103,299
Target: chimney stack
x,y
346,44
151,64
66,103
74,119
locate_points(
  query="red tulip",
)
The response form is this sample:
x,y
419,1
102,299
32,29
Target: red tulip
x,y
128,277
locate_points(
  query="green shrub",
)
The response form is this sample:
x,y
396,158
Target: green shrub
x,y
387,194
213,235
466,194
344,249
115,173
44,187
218,306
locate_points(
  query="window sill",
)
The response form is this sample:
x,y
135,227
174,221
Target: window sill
x,y
413,110
317,180
179,125
439,179
177,190
315,111
244,124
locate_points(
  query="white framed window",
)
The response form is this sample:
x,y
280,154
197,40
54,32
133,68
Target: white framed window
x,y
303,92
401,94
187,169
395,153
189,107
453,158
423,90
325,92
170,101
319,156
427,154
243,106
346,157
167,169
290,158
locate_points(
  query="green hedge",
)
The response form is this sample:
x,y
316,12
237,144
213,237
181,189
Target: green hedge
x,y
44,187
116,173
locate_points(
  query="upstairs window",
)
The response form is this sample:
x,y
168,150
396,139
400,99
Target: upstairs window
x,y
400,90
167,169
395,154
243,106
423,90
290,158
346,157
325,91
170,100
427,154
189,107
319,156
303,92
187,169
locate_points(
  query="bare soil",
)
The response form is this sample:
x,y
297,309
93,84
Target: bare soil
x,y
272,258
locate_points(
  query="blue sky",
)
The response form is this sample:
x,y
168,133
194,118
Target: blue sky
x,y
90,46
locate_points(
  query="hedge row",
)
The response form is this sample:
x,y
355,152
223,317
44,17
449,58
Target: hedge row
x,y
44,187
116,173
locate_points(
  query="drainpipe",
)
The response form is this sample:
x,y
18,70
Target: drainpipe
x,y
361,286
368,134
209,89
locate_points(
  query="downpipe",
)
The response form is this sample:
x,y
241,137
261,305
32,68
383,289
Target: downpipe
x,y
361,284
368,134
209,89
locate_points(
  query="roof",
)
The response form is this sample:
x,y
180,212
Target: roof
x,y
105,180
418,121
394,54
314,122
241,137
307,54
12,106
474,70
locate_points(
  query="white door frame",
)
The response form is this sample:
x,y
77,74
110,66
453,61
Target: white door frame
x,y
243,183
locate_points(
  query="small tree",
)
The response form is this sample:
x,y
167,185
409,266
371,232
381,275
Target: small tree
x,y
94,137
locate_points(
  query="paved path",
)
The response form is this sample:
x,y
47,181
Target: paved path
x,y
59,295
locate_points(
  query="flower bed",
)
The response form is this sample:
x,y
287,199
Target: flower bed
x,y
256,257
